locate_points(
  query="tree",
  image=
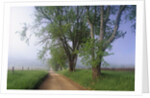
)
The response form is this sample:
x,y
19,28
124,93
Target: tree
x,y
88,30
103,31
62,24
58,60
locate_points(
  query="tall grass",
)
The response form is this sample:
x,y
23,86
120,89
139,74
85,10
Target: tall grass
x,y
110,80
27,79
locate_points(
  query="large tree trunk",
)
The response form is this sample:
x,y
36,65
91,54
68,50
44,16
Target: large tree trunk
x,y
60,67
75,61
96,71
72,62
71,66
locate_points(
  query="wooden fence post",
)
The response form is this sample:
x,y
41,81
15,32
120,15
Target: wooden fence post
x,y
13,68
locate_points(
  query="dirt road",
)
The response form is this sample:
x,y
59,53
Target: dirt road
x,y
56,81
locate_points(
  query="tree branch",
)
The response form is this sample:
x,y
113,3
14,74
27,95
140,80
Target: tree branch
x,y
107,14
118,18
90,23
101,23
65,48
44,14
66,43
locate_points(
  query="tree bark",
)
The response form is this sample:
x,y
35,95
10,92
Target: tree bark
x,y
117,22
101,23
71,66
72,62
75,61
96,70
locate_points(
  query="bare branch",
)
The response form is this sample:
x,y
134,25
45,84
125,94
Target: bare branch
x,y
45,39
107,14
44,14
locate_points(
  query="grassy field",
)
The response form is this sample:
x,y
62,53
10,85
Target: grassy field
x,y
27,79
110,80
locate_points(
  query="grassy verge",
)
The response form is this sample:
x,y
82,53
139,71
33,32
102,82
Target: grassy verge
x,y
110,80
27,79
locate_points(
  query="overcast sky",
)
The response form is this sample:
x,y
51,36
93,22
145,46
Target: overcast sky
x,y
22,54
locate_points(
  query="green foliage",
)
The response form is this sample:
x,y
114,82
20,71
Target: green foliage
x,y
27,79
110,80
69,27
93,14
131,16
58,58
86,52
62,27
94,49
42,52
23,34
59,21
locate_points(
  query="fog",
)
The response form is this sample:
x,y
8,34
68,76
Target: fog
x,y
22,54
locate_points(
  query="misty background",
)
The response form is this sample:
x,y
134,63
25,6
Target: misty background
x,y
22,54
